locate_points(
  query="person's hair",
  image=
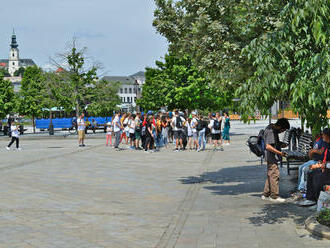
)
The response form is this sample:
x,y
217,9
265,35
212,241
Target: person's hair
x,y
283,123
326,131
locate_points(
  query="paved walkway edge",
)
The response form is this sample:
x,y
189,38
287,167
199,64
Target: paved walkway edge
x,y
314,227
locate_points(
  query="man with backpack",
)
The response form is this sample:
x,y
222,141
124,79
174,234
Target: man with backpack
x,y
177,125
272,153
215,126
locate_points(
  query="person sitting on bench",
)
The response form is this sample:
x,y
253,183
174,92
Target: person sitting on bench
x,y
316,154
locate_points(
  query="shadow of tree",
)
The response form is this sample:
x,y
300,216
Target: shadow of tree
x,y
249,180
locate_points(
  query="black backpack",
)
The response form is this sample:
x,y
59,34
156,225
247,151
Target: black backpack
x,y
200,125
178,122
216,125
257,144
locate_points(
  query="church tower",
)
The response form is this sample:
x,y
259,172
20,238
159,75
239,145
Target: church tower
x,y
13,63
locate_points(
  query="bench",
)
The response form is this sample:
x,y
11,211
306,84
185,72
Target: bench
x,y
296,157
286,142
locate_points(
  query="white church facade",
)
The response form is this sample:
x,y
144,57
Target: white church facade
x,y
14,63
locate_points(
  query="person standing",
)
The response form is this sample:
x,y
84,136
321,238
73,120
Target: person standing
x,y
109,134
272,153
116,129
131,130
14,135
201,128
138,124
81,130
226,127
177,124
215,126
194,123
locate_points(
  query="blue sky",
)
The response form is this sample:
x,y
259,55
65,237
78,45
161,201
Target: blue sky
x,y
118,33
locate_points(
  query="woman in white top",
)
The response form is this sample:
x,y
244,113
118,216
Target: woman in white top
x,y
189,133
14,136
109,134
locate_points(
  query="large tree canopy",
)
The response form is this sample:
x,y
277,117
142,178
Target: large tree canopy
x,y
292,63
176,83
214,32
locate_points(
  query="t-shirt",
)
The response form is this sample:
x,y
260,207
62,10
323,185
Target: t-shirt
x,y
116,124
81,124
109,129
271,138
14,132
211,126
189,129
320,144
174,123
194,123
131,125
125,123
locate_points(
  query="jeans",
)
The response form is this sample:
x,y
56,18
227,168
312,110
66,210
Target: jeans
x,y
117,139
302,172
201,139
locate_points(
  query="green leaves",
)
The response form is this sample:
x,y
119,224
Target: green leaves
x,y
7,97
176,83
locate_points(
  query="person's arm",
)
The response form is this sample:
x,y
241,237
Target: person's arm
x,y
315,151
150,131
274,150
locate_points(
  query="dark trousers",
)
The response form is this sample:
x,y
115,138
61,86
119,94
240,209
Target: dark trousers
x,y
13,139
143,141
316,179
149,142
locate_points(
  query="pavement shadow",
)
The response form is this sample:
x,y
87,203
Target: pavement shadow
x,y
231,181
279,213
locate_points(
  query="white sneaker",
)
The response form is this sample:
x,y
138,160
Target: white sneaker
x,y
264,198
8,148
19,149
278,199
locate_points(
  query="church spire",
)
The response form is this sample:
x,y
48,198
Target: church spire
x,y
13,40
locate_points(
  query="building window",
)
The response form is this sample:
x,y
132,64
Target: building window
x,y
125,90
13,55
13,63
134,99
139,89
130,90
121,90
121,99
127,99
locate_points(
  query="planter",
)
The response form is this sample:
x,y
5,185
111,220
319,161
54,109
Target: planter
x,y
314,227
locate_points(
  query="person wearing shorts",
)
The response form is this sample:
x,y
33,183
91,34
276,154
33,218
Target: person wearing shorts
x,y
81,130
177,124
215,126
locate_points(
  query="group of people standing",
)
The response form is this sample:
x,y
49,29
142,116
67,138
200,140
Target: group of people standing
x,y
151,131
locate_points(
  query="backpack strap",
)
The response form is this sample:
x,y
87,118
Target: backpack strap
x,y
325,156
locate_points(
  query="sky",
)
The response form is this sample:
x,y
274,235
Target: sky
x,y
118,33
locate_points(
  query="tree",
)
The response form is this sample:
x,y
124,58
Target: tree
x,y
31,99
292,63
7,97
80,79
214,32
176,83
19,72
104,98
4,72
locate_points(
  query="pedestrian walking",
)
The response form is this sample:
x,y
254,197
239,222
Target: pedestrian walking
x,y
14,128
116,129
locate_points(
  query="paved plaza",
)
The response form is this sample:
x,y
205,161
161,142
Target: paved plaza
x,y
54,194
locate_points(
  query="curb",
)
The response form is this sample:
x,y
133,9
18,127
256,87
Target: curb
x,y
314,227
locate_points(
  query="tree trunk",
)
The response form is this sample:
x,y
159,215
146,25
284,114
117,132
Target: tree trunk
x,y
33,124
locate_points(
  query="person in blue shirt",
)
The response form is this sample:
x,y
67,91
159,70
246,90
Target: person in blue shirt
x,y
316,154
